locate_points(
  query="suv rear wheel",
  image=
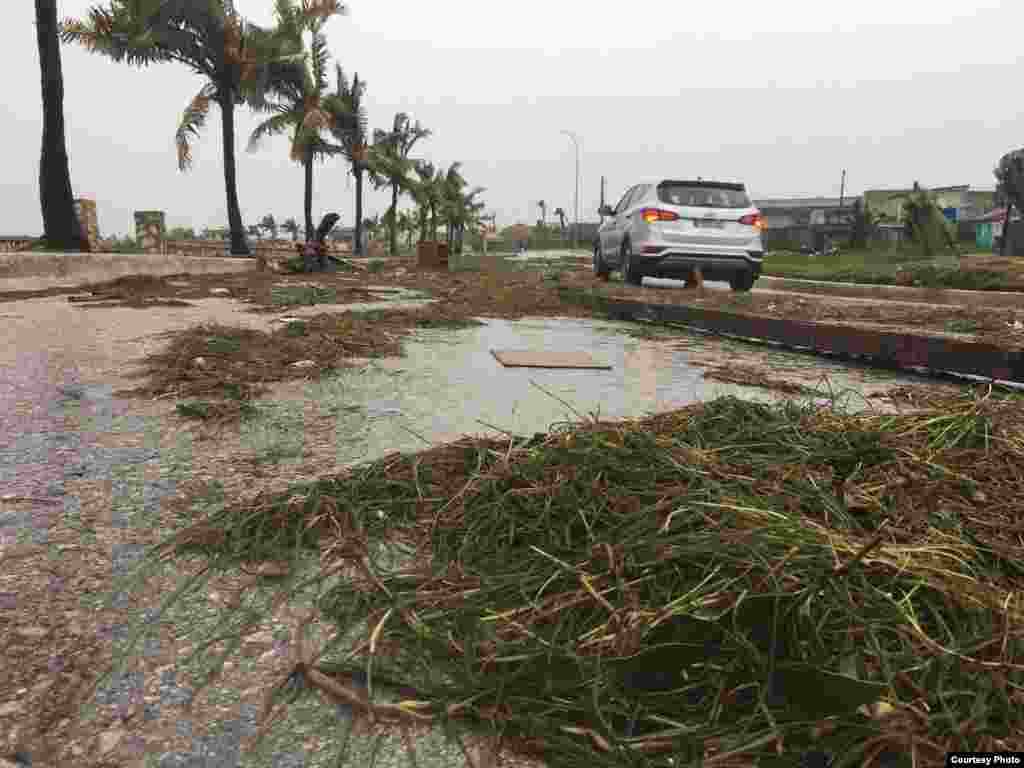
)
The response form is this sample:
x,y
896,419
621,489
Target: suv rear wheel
x,y
742,280
629,271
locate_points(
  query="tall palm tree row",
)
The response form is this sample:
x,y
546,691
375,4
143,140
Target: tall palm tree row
x,y
279,72
238,59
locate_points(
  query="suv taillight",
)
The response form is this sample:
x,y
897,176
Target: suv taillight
x,y
753,220
651,215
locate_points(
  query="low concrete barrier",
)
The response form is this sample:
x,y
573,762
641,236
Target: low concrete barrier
x,y
885,348
36,271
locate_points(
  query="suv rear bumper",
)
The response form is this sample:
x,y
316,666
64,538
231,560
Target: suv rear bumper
x,y
675,261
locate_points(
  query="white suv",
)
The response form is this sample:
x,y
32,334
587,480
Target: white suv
x,y
668,228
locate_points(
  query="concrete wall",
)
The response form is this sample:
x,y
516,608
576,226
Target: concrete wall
x,y
35,271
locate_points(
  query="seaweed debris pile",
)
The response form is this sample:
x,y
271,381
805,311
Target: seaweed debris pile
x,y
730,583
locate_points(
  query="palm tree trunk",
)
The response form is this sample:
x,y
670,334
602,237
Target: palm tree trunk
x,y
1006,228
357,247
61,227
394,219
239,245
307,199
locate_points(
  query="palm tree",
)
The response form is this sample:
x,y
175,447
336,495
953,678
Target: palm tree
x,y
239,61
1010,189
560,213
393,166
291,226
407,224
461,209
424,189
61,228
298,105
350,128
269,225
925,223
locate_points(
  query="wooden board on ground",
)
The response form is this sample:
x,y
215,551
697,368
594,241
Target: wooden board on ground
x,y
530,359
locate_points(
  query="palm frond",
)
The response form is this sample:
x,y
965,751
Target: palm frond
x,y
113,33
280,123
192,121
319,11
319,57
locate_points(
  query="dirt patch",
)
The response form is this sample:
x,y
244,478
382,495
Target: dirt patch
x,y
1012,267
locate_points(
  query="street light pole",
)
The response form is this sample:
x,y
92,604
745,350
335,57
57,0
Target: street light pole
x,y
576,196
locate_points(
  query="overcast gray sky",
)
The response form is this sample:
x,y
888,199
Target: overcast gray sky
x,y
781,95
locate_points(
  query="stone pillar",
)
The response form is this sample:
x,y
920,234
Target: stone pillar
x,y
85,210
150,231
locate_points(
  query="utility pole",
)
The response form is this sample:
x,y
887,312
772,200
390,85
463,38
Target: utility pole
x,y
842,191
576,196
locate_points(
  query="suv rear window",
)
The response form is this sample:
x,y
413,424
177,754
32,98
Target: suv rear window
x,y
703,195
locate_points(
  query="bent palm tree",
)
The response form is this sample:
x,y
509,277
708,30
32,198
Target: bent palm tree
x,y
239,61
925,223
61,227
297,105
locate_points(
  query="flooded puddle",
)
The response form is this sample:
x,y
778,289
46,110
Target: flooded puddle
x,y
449,384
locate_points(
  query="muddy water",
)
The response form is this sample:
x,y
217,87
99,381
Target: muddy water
x,y
449,384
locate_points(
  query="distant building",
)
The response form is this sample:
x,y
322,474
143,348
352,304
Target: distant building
x,y
806,211
806,222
